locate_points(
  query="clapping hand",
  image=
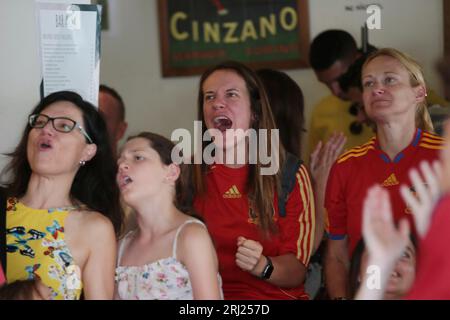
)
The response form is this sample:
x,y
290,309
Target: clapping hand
x,y
427,192
324,156
384,242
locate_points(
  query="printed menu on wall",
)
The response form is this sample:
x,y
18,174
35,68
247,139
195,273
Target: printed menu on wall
x,y
69,43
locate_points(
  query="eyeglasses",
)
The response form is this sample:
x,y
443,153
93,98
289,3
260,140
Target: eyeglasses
x,y
60,124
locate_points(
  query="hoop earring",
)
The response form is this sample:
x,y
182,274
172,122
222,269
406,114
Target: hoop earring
x,y
82,163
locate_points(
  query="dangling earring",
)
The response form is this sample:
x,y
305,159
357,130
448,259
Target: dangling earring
x,y
82,163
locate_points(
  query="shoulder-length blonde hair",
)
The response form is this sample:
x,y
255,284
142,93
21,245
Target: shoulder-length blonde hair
x,y
423,119
260,188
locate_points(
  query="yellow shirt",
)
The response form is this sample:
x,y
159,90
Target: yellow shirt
x,y
331,115
36,249
434,98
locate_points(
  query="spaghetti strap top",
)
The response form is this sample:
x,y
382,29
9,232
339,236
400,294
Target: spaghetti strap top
x,y
126,239
164,279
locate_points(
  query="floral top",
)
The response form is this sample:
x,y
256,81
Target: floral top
x,y
164,279
36,248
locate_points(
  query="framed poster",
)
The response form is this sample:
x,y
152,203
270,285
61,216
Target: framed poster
x,y
195,34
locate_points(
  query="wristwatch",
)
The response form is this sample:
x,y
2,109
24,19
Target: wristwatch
x,y
268,269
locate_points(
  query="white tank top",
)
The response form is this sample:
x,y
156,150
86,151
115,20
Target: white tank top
x,y
164,279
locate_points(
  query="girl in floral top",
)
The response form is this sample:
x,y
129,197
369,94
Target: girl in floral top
x,y
170,254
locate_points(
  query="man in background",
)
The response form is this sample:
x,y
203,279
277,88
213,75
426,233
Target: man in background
x,y
111,105
331,55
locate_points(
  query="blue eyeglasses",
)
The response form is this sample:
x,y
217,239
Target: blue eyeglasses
x,y
60,124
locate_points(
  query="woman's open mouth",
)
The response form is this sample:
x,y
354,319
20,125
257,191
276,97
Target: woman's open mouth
x,y
222,123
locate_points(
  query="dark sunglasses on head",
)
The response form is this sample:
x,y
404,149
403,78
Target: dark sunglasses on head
x,y
60,124
355,127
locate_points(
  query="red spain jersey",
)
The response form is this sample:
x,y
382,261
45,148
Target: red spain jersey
x,y
225,209
2,276
433,261
362,167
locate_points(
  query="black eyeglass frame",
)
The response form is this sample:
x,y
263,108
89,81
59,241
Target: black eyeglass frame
x,y
32,118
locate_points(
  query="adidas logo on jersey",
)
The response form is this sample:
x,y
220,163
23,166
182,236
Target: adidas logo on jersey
x,y
232,193
391,181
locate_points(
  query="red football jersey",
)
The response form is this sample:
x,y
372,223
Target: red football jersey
x,y
362,167
433,263
2,276
225,209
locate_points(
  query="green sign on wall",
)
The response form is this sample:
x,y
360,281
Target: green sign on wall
x,y
196,34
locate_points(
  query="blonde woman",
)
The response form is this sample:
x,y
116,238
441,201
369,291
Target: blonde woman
x,y
394,94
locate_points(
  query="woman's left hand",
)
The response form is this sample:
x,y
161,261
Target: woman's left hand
x,y
249,256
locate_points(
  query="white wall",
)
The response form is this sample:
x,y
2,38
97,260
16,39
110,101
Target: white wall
x,y
19,70
131,58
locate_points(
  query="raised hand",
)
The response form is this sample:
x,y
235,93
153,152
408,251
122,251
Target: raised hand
x,y
384,242
427,192
324,156
321,161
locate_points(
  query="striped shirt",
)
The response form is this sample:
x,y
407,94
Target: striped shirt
x,y
362,167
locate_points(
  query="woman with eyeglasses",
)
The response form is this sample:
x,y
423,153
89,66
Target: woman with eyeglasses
x,y
394,94
63,209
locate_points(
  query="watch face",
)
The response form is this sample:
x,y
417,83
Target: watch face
x,y
268,269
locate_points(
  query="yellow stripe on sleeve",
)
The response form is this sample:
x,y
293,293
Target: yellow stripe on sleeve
x,y
307,218
355,154
431,146
359,148
436,141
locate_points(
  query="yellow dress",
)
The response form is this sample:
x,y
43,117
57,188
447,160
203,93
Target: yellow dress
x,y
36,249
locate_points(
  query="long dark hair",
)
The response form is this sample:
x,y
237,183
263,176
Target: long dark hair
x,y
164,147
95,182
286,101
261,188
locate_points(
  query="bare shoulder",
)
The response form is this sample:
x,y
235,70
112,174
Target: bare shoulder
x,y
194,235
94,223
195,246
